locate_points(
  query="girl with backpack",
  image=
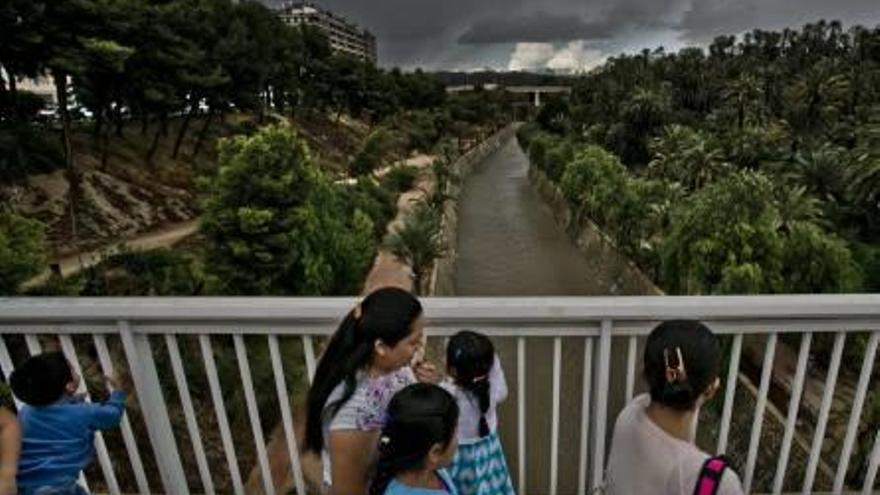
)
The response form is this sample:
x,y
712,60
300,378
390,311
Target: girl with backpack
x,y
652,450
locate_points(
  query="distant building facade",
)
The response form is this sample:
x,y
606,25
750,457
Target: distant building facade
x,y
344,36
42,86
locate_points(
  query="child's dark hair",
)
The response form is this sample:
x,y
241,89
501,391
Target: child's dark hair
x,y
679,385
419,416
472,355
387,315
42,379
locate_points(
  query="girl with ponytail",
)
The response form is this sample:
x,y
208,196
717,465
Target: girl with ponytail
x,y
365,363
418,440
477,382
652,450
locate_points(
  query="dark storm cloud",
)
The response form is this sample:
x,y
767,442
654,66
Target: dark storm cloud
x,y
705,19
569,24
540,27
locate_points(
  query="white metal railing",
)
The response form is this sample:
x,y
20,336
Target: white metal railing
x,y
594,321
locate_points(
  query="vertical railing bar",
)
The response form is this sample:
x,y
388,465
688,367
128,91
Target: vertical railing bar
x,y
856,414
521,410
33,344
873,464
730,392
630,368
7,366
824,411
220,411
131,445
793,406
602,402
244,369
189,414
554,436
100,446
148,389
585,414
309,350
758,422
286,415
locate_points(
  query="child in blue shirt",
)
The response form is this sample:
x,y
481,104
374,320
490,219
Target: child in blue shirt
x,y
58,427
417,442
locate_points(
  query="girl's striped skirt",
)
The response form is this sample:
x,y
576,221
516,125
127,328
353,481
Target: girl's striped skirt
x,y
480,469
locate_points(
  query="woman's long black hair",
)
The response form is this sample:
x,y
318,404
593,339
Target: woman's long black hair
x,y
701,356
387,315
419,416
472,355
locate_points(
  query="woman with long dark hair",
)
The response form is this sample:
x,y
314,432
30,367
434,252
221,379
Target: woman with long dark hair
x,y
365,363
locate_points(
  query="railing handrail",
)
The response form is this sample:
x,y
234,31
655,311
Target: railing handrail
x,y
593,320
444,311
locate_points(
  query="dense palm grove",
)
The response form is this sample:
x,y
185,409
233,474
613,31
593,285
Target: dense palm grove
x,y
752,166
749,167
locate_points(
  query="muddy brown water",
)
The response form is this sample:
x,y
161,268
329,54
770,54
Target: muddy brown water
x,y
510,245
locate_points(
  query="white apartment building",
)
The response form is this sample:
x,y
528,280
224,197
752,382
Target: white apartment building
x,y
344,36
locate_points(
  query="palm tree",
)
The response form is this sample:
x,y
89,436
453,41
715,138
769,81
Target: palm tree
x,y
822,171
746,95
419,242
864,186
797,205
820,90
687,157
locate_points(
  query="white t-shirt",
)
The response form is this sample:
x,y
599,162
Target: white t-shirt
x,y
469,406
646,459
365,410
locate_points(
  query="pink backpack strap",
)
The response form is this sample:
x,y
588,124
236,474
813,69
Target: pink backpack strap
x,y
709,481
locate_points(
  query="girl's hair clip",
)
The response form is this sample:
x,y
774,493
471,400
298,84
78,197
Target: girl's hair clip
x,y
384,439
478,379
675,371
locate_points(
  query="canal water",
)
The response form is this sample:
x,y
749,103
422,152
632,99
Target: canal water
x,y
510,245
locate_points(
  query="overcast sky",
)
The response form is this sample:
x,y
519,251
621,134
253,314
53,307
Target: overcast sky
x,y
568,34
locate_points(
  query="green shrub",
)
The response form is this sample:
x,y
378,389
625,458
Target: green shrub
x,y
526,133
400,179
22,251
375,201
378,146
421,128
277,225
557,157
27,149
538,147
161,272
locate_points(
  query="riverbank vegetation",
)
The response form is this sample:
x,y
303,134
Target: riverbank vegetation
x,y
749,167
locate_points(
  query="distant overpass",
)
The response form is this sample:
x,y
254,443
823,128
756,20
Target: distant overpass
x,y
534,92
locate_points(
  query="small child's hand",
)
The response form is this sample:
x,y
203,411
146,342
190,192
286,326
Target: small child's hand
x,y
426,372
121,380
